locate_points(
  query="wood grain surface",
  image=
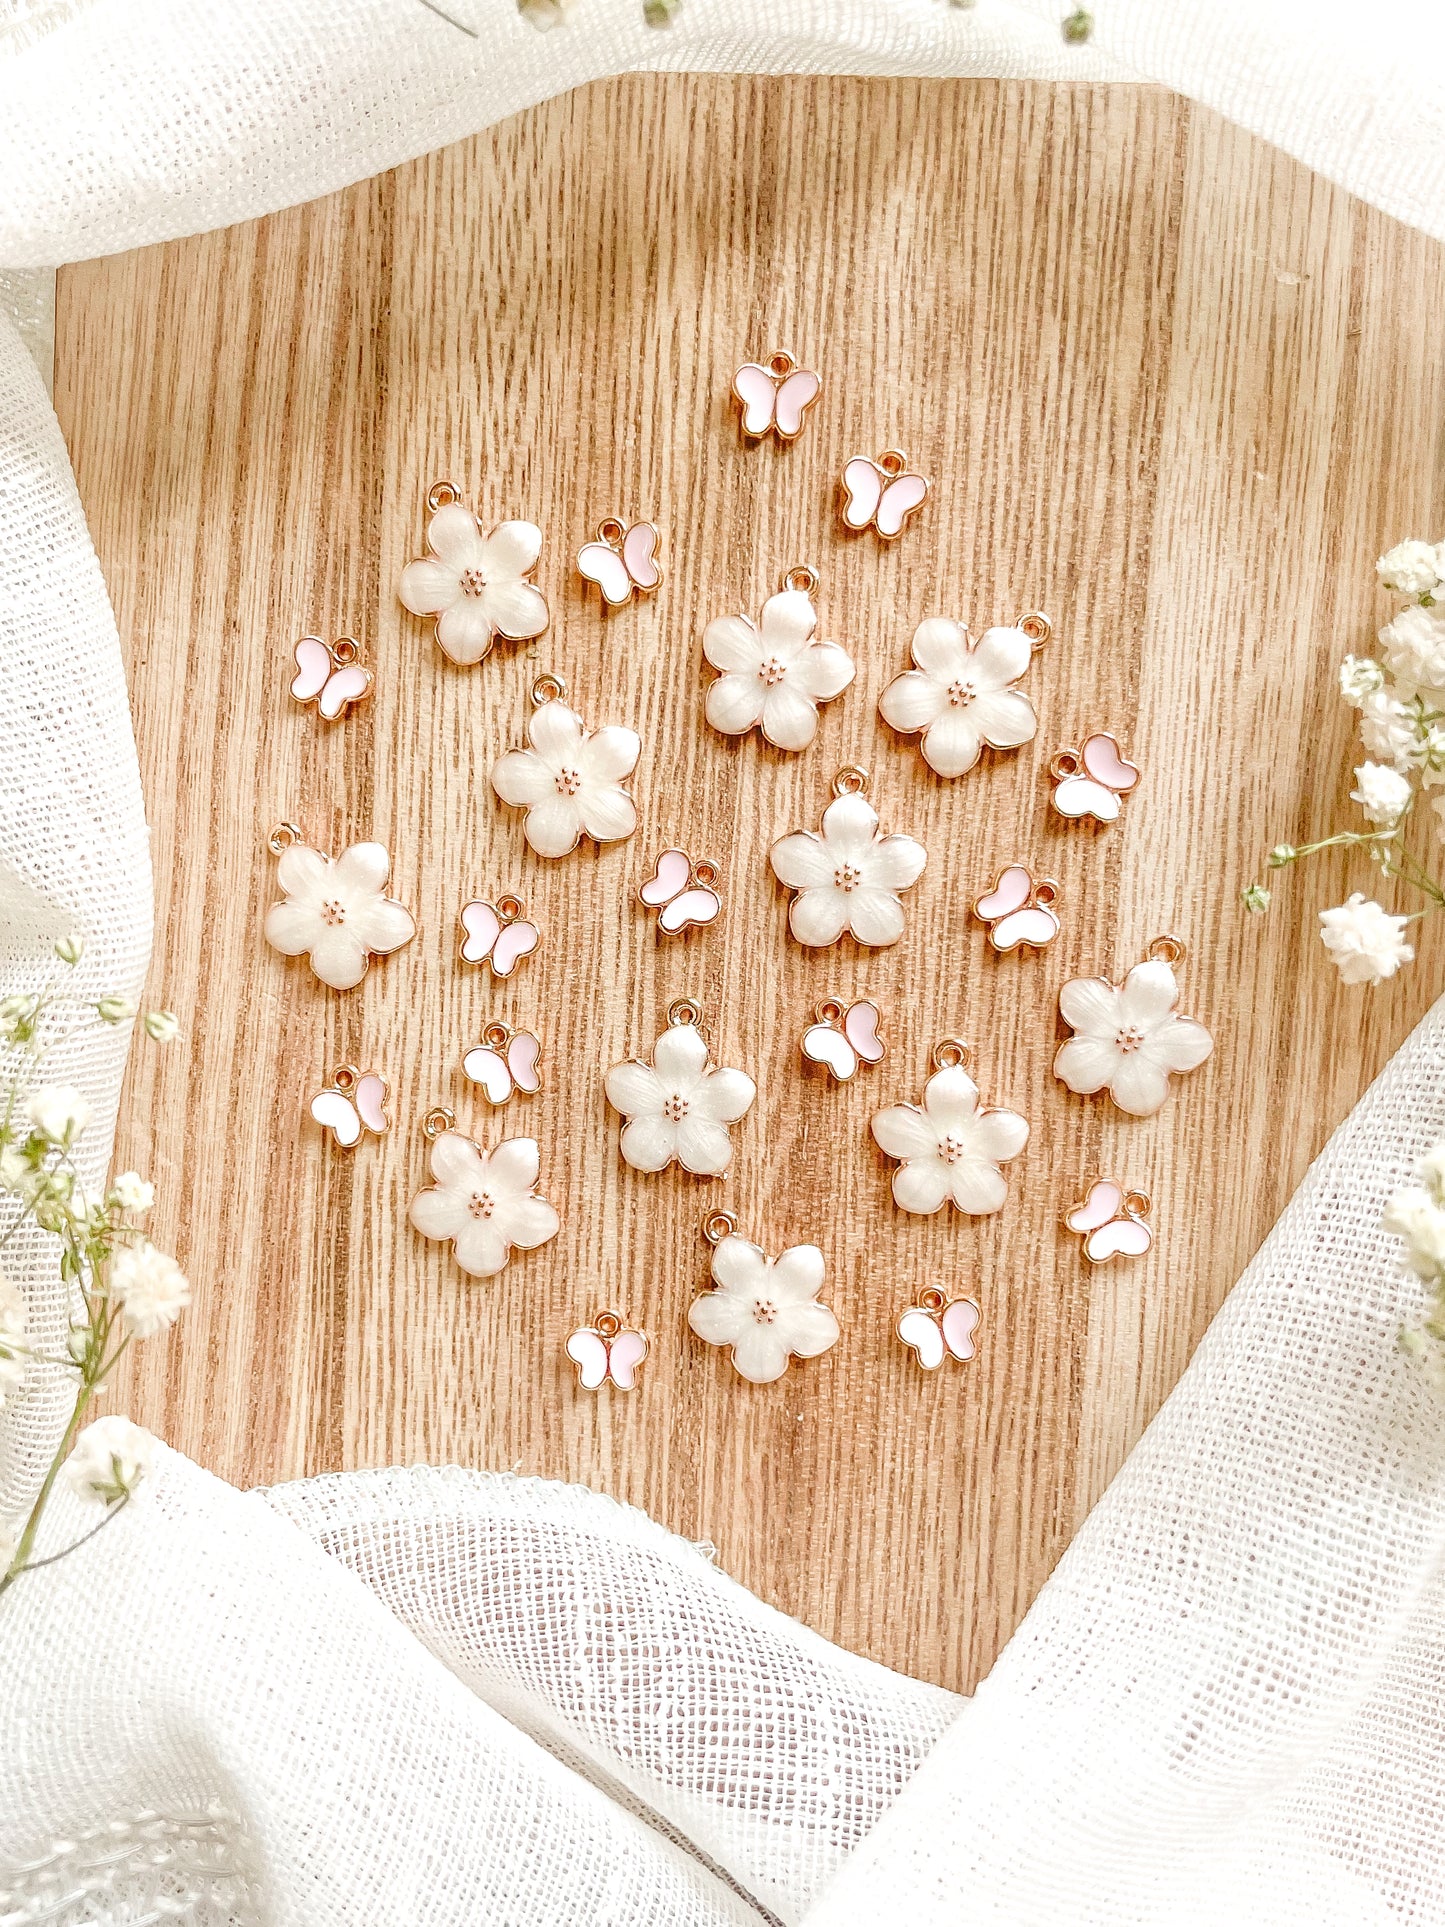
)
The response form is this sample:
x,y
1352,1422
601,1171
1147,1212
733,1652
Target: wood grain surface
x,y
1169,387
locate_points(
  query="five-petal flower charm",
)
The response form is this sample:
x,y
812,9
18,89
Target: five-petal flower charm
x,y
335,908
951,1146
485,1202
961,693
847,877
1127,1038
570,781
774,674
680,1105
766,1308
477,586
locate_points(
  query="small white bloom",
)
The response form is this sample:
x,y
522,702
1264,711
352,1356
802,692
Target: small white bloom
x,y
115,1010
1431,1172
336,909
679,1106
150,1288
766,1308
1382,793
15,1170
1411,567
1414,647
1360,676
961,694
544,14
1390,732
132,1193
951,1147
13,1358
161,1027
70,950
58,1113
485,1202
570,781
1127,1038
110,1459
1366,944
848,877
476,585
773,673
1416,1216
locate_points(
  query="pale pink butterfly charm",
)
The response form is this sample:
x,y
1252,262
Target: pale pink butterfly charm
x,y
1018,909
844,1036
881,494
1111,1222
775,395
682,891
331,675
497,934
939,1327
505,1061
354,1102
1091,781
607,1352
622,562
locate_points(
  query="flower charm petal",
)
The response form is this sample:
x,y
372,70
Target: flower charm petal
x,y
1127,1038
477,586
773,674
486,1203
680,1106
848,878
950,1147
765,1308
961,693
570,781
335,909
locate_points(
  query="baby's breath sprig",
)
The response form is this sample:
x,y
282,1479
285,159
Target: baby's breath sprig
x,y
122,1288
1417,1214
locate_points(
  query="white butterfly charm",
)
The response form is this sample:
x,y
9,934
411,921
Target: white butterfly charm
x,y
775,395
882,494
353,1102
622,561
331,675
1018,909
1091,781
682,892
1111,1222
607,1351
844,1036
938,1327
504,1061
498,934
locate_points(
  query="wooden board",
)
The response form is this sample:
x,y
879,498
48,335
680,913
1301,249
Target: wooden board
x,y
1169,387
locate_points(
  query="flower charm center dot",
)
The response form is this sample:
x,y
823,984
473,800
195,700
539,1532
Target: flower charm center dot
x,y
675,1108
764,1311
569,781
333,913
950,1148
1129,1038
847,876
473,582
772,671
482,1204
961,694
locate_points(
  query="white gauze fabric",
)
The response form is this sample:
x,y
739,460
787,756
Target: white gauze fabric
x,y
404,1697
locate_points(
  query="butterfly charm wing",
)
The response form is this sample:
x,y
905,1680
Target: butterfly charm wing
x,y
825,1044
313,666
523,1053
903,497
639,555
921,1332
624,1354
1105,763
958,1323
861,1027
335,1112
347,685
1102,1203
1011,891
370,1100
588,1352
1120,1238
669,878
863,490
599,562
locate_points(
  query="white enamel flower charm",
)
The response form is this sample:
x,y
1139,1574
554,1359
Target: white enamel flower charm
x,y
679,1106
951,1146
1127,1038
773,674
847,876
485,1202
962,694
765,1308
571,779
334,908
477,586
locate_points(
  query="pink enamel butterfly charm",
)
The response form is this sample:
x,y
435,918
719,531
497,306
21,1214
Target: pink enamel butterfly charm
x,y
607,1352
1091,781
331,675
939,1327
1018,910
682,892
775,395
844,1036
353,1102
505,1061
498,934
881,494
622,561
1111,1222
